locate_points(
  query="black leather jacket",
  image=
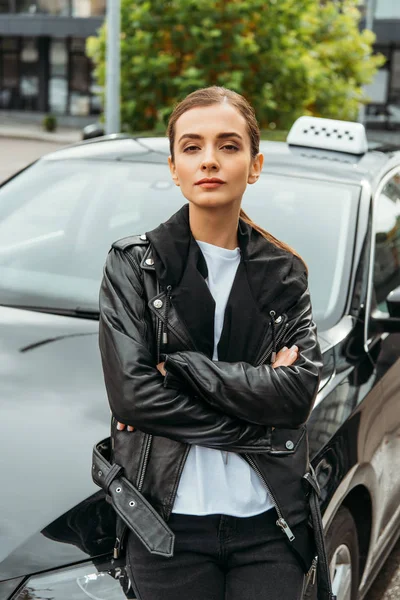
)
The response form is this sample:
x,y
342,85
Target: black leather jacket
x,y
155,305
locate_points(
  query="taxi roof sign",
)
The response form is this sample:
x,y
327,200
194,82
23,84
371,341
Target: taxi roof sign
x,y
328,134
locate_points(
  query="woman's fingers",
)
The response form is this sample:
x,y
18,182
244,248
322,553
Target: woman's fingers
x,y
160,367
286,357
121,427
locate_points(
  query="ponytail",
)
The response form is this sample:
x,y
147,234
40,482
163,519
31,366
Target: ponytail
x,y
269,237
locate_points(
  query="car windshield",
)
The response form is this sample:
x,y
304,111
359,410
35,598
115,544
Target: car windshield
x,y
58,219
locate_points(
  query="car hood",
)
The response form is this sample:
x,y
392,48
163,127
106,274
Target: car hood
x,y
53,409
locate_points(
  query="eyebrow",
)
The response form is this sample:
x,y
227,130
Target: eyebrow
x,y
220,136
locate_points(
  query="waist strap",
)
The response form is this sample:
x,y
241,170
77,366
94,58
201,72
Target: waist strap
x,y
130,504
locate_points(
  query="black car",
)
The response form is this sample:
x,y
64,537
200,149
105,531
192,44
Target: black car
x,y
336,202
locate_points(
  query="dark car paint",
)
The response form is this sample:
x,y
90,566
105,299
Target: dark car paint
x,y
354,429
53,409
62,376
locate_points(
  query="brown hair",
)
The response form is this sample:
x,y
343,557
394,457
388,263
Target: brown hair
x,y
217,95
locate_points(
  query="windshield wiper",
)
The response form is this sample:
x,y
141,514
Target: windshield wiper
x,y
81,313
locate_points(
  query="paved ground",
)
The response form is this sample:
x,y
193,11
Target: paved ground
x,y
387,584
16,128
15,153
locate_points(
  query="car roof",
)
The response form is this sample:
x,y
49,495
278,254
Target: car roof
x,y
279,157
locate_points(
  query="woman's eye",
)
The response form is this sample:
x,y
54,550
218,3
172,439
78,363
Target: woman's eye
x,y
231,147
190,148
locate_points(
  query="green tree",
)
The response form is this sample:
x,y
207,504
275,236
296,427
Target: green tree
x,y
288,57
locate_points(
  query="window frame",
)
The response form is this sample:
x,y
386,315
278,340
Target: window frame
x,y
16,52
370,339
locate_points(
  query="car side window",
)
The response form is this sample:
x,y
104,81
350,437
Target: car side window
x,y
387,242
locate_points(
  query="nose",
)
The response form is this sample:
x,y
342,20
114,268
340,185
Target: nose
x,y
209,161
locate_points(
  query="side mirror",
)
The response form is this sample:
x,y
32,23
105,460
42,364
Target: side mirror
x,y
390,324
92,131
393,302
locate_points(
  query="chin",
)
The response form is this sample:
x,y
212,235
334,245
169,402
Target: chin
x,y
210,200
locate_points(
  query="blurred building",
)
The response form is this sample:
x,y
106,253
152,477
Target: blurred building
x,y
43,64
44,67
384,91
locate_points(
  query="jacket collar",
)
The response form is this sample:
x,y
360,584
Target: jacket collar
x,y
268,278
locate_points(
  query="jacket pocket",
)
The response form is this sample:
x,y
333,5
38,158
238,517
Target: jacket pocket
x,y
286,441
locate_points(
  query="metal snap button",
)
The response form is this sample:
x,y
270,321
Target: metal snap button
x,y
132,503
279,319
118,490
289,445
149,261
100,473
158,303
143,236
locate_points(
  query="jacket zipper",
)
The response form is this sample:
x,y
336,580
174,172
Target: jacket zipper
x,y
285,329
148,440
180,338
165,326
159,332
312,572
117,548
149,436
162,336
268,352
167,305
281,521
178,477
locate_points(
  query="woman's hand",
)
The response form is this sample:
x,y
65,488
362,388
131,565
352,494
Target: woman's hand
x,y
160,367
286,357
121,426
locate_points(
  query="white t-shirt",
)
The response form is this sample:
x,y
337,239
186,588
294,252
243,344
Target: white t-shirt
x,y
212,481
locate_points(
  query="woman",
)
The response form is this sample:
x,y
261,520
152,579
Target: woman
x,y
211,364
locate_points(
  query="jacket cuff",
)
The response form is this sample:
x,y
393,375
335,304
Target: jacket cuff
x,y
171,380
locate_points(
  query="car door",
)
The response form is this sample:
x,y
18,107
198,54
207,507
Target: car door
x,y
384,352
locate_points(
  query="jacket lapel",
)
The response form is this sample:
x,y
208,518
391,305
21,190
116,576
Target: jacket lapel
x,y
268,278
244,325
194,303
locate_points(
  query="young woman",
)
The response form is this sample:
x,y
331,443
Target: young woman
x,y
211,364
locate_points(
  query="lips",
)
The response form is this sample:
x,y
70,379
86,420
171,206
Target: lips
x,y
209,180
210,183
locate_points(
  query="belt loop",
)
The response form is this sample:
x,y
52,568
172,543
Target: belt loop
x,y
112,474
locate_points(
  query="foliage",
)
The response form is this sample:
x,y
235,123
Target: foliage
x,y
49,123
288,57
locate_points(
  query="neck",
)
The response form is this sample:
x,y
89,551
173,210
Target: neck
x,y
215,226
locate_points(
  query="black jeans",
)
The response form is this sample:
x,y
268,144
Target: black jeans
x,y
219,557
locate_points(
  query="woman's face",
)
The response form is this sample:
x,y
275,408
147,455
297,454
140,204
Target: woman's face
x,y
212,143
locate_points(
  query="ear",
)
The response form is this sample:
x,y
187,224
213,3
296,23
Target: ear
x,y
173,171
256,168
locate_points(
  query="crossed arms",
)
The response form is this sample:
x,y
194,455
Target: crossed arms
x,y
221,405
